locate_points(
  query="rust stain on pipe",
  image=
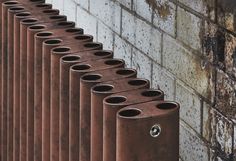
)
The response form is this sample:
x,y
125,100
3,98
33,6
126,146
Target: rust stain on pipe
x,y
87,81
157,124
98,93
112,104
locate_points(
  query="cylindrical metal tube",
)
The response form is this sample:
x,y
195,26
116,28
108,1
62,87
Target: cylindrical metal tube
x,y
112,104
66,63
87,81
4,67
157,138
23,85
76,72
10,63
98,93
16,102
47,46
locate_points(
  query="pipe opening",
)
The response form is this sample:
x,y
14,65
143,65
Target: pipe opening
x,y
151,93
137,82
82,37
70,58
166,106
16,9
115,99
53,41
65,23
61,49
23,14
113,62
125,71
11,3
81,67
43,5
50,11
103,88
72,30
57,17
91,77
29,21
37,27
44,34
130,113
35,0
102,53
92,45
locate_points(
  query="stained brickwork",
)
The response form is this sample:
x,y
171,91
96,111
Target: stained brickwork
x,y
188,48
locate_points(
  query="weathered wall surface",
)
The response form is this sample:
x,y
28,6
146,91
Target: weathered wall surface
x,y
188,47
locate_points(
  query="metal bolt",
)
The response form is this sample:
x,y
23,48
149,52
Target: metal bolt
x,y
155,131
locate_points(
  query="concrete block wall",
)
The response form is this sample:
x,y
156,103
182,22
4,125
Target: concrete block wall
x,y
188,48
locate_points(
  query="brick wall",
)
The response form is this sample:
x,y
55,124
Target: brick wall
x,y
185,46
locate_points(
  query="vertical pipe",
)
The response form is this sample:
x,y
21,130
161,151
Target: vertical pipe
x,y
11,12
76,72
47,46
16,101
23,86
65,64
55,76
86,83
157,138
112,104
32,30
98,93
39,38
4,56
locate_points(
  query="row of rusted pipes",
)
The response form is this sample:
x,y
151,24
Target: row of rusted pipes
x,y
64,98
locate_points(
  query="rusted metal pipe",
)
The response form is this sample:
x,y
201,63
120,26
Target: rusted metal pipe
x,y
23,85
76,72
4,93
87,81
46,64
66,63
57,53
98,93
157,138
10,62
112,104
16,101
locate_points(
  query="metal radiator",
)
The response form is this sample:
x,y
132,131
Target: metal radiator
x,y
64,98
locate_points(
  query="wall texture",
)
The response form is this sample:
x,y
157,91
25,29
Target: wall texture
x,y
188,47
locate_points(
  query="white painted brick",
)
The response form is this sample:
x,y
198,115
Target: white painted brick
x,y
162,78
59,4
189,28
129,25
83,3
192,148
187,67
126,3
107,11
48,1
201,6
148,40
167,20
143,9
70,10
142,64
122,50
105,36
87,22
190,110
